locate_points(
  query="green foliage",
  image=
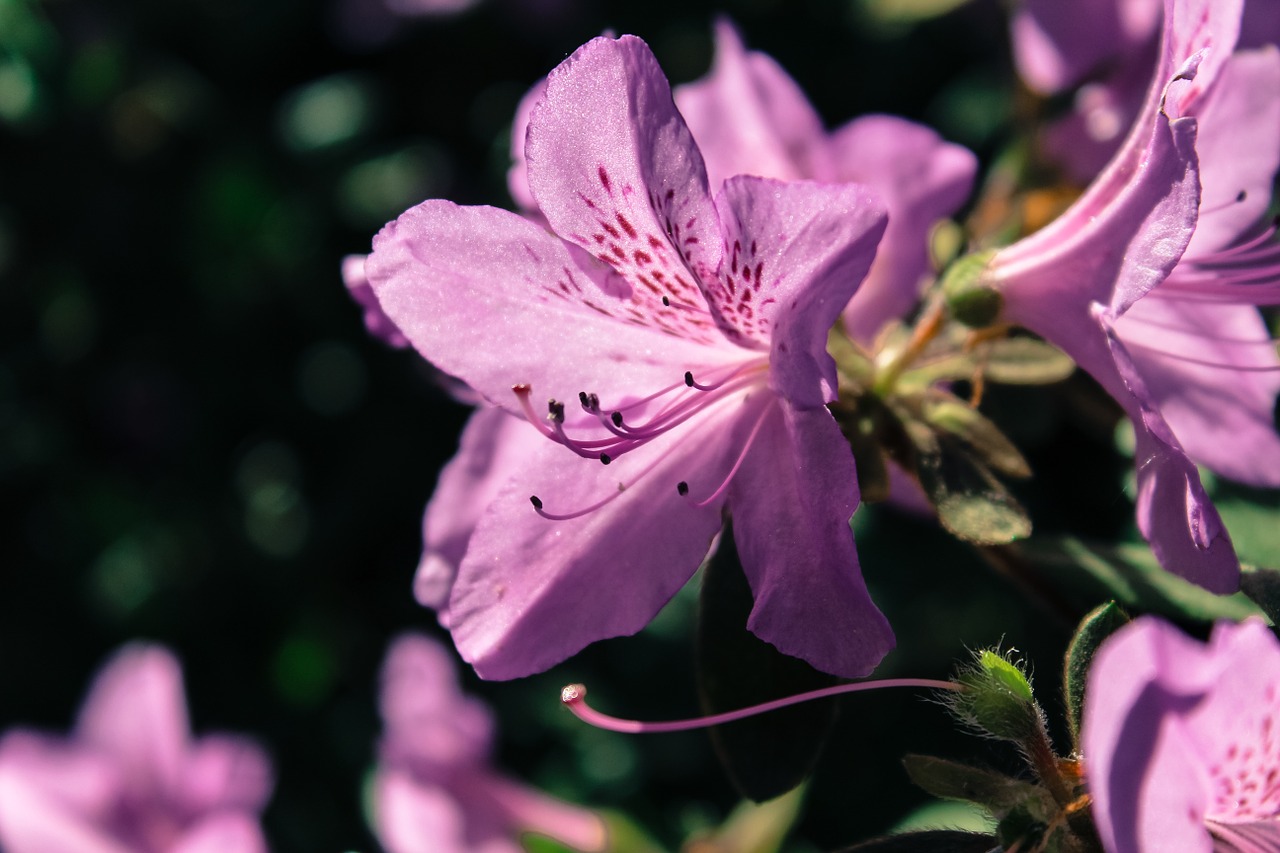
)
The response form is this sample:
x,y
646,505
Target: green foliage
x,y
1084,573
1097,626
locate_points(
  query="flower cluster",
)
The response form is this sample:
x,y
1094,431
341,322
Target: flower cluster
x,y
710,307
711,330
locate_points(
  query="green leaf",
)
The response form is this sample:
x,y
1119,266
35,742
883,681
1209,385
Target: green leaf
x,y
994,791
990,517
770,754
1086,573
908,11
1251,515
948,413
1026,361
971,503
754,827
930,841
1262,586
1102,622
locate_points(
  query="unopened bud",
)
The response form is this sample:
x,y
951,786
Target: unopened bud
x,y
998,700
970,299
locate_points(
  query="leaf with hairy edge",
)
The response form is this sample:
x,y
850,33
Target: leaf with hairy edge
x,y
1101,623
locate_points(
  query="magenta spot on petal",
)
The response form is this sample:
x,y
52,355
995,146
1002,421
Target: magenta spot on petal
x,y
604,180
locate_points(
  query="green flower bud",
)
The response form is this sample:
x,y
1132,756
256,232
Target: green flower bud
x,y
970,299
998,700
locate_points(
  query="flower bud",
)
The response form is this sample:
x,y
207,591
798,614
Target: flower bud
x,y
997,700
969,298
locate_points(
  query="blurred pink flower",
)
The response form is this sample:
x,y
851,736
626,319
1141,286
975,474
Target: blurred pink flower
x,y
434,789
1129,268
130,778
1181,740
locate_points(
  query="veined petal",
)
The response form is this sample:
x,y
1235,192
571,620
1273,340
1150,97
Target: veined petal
x,y
1119,250
1149,791
1124,235
1238,146
921,178
1176,734
794,254
137,714
1173,511
493,299
491,445
1213,373
792,500
532,591
615,170
750,118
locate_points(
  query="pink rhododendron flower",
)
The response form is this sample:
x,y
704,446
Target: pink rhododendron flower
x,y
682,343
130,778
434,789
748,117
1181,740
1074,281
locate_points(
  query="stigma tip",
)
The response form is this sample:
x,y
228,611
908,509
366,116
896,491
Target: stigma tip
x,y
573,693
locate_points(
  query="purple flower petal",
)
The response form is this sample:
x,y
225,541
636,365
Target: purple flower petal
x,y
1180,738
795,494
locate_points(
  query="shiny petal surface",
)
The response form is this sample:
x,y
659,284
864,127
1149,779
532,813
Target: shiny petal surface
x,y
793,498
615,170
531,591
794,254
1213,373
492,443
465,283
1238,146
1119,250
1173,511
